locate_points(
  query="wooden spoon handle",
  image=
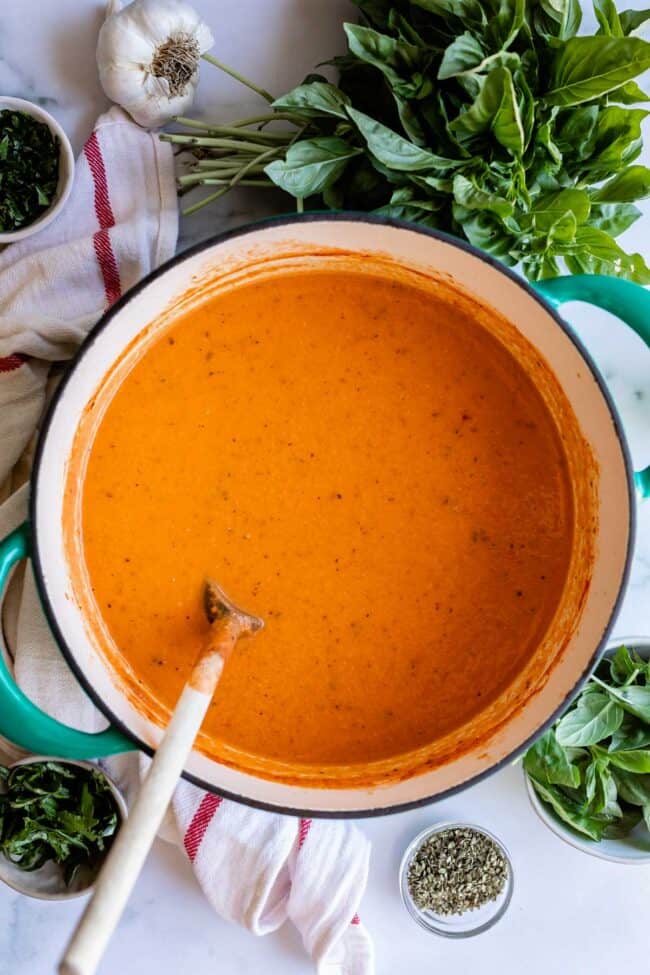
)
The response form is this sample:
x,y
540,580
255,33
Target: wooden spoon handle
x,y
137,833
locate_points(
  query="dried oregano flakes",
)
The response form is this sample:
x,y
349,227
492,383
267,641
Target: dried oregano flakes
x,y
457,870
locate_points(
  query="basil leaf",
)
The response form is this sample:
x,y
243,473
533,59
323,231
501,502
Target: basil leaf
x,y
486,231
311,165
595,717
314,100
615,141
569,811
398,24
526,103
549,207
376,11
646,816
632,19
562,230
473,197
631,735
393,151
406,194
558,18
468,11
548,762
546,162
634,789
411,213
410,120
464,54
631,761
400,62
619,828
635,700
631,184
440,185
505,25
392,177
595,252
628,94
507,125
494,110
607,17
587,67
621,666
575,128
601,791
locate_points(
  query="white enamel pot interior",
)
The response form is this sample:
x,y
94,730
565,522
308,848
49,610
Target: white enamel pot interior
x,y
413,247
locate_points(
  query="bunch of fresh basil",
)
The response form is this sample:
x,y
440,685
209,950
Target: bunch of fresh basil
x,y
490,119
593,766
487,118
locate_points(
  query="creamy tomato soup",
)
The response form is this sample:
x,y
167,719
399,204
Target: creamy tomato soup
x,y
360,461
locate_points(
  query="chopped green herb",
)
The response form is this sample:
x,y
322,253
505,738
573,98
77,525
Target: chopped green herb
x,y
457,870
50,811
29,169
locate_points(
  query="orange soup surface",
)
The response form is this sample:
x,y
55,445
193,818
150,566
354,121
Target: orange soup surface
x,y
362,464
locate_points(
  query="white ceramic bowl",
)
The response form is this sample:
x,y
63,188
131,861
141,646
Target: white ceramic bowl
x,y
47,882
66,168
632,849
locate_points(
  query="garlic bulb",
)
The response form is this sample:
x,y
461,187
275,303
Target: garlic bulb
x,y
148,55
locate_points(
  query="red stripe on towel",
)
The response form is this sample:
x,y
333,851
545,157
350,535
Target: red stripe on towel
x,y
11,362
104,212
199,824
303,830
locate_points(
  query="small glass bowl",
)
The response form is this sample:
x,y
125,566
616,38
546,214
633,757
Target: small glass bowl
x,y
469,923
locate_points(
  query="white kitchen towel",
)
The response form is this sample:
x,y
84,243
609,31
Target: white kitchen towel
x,y
255,868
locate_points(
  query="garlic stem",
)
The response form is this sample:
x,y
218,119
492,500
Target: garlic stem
x,y
238,77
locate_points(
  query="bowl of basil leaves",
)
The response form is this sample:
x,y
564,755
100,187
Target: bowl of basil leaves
x,y
588,777
58,819
37,168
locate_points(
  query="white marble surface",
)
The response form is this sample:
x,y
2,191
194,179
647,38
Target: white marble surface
x,y
569,911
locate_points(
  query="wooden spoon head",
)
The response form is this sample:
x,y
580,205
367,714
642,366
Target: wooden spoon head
x,y
220,608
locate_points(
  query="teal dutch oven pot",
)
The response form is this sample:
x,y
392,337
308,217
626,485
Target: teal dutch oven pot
x,y
534,313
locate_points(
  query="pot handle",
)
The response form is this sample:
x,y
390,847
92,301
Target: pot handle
x,y
628,301
21,722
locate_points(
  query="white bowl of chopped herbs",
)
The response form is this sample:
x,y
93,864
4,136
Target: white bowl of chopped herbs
x,y
36,169
588,777
456,879
58,819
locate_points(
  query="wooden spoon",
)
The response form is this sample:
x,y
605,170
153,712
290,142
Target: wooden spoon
x,y
133,841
